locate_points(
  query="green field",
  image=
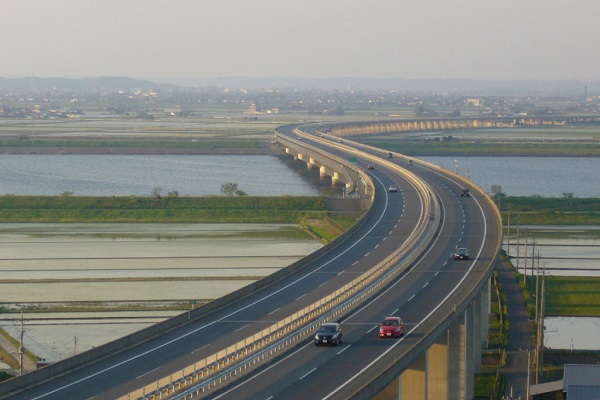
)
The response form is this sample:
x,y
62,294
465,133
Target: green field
x,y
549,211
573,296
209,209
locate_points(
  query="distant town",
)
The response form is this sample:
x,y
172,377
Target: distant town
x,y
131,98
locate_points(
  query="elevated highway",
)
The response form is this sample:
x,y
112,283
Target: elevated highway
x,y
255,343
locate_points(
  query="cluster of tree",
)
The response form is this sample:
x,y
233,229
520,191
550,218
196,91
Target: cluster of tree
x,y
231,189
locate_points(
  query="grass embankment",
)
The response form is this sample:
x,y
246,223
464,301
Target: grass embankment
x,y
491,149
134,209
535,210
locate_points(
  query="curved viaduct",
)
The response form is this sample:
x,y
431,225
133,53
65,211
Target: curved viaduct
x,y
349,129
395,261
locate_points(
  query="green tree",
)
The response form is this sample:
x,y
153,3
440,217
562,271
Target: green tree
x,y
229,189
156,192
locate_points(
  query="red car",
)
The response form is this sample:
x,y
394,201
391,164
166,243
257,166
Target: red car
x,y
391,327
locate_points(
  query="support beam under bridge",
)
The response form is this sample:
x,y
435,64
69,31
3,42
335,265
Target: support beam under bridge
x,y
445,371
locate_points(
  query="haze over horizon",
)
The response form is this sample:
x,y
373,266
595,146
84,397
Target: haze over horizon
x,y
463,39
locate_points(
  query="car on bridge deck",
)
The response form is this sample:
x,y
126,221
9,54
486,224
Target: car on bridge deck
x,y
370,167
393,188
391,327
330,333
461,253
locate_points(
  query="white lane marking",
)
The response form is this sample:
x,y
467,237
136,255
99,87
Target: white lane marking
x,y
239,329
426,283
228,315
274,311
149,372
344,349
299,297
308,373
425,318
200,348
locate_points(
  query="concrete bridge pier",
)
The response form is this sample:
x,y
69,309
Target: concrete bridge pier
x,y
323,171
446,370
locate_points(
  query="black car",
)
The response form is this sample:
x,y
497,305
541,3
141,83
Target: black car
x,y
370,167
461,254
330,333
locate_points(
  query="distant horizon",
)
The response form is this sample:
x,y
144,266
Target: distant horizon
x,y
473,86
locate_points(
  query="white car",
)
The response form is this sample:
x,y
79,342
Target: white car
x,y
393,188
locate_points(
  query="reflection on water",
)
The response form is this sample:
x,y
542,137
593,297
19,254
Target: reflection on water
x,y
556,250
117,265
526,176
572,333
125,175
562,251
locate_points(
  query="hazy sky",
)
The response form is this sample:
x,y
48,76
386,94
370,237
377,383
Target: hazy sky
x,y
472,39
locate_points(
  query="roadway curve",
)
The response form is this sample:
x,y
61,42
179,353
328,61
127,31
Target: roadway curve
x,y
424,297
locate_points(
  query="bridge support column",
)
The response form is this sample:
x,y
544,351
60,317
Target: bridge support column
x,y
461,384
413,382
323,171
485,313
477,333
438,370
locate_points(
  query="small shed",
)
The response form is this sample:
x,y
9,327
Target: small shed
x,y
581,381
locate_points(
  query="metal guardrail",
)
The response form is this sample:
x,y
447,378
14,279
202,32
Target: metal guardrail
x,y
207,373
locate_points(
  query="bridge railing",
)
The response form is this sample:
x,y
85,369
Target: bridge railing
x,y
227,363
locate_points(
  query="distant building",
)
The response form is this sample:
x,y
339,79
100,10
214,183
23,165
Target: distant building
x,y
253,109
580,382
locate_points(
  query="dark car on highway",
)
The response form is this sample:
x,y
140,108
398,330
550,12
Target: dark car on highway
x,y
461,254
330,333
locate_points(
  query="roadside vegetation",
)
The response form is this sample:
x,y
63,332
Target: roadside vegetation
x,y
208,209
572,296
537,210
490,381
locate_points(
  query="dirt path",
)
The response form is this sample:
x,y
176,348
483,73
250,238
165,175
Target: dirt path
x,y
520,335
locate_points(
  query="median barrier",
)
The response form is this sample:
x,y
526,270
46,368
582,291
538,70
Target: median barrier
x,y
412,247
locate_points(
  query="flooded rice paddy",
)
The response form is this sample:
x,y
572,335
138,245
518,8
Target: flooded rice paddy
x,y
115,279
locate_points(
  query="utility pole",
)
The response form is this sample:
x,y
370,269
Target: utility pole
x,y
528,373
74,345
540,330
519,243
21,346
508,233
526,253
